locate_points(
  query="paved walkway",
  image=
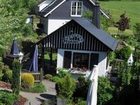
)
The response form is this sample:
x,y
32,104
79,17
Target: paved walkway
x,y
37,98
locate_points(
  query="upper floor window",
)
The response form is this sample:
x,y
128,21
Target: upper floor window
x,y
76,8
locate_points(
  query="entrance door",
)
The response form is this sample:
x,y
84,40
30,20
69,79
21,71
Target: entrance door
x,y
81,60
67,59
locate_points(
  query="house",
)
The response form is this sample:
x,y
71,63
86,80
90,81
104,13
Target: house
x,y
55,13
79,42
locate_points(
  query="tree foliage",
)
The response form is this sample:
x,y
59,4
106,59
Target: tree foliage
x,y
137,31
124,53
16,77
13,14
136,70
124,75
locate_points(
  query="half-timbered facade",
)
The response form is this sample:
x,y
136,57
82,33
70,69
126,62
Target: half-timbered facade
x,y
80,44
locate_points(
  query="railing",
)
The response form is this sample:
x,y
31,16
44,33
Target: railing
x,y
37,77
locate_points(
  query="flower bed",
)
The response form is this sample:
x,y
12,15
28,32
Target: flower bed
x,y
6,86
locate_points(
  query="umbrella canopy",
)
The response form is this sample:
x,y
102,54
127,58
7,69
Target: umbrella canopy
x,y
34,62
14,48
92,91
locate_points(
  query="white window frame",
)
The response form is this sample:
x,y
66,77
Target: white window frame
x,y
76,8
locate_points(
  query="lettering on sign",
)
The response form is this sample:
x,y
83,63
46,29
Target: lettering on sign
x,y
73,39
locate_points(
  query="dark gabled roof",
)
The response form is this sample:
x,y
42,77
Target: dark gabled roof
x,y
98,33
102,36
51,6
56,3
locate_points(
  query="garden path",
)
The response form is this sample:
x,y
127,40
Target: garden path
x,y
37,98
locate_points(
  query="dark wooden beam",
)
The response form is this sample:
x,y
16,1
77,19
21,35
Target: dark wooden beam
x,y
42,55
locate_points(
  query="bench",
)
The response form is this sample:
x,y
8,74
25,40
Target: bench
x,y
37,77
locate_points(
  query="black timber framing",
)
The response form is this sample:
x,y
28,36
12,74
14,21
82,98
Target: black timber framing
x,y
90,43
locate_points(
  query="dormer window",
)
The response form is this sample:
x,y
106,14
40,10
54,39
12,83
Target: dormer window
x,y
76,8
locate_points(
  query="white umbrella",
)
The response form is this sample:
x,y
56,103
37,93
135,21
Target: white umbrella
x,y
92,91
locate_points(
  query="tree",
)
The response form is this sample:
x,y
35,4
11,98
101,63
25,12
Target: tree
x,y
105,90
16,77
124,53
123,23
124,75
137,31
12,21
106,23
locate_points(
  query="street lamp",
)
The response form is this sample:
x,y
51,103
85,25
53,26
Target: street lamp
x,y
20,55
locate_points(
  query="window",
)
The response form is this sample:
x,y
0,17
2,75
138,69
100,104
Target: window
x,y
81,60
76,8
67,59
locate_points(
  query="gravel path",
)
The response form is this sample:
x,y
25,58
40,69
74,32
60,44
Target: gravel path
x,y
37,98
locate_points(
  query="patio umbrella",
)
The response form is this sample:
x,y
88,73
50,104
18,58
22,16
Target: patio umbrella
x,y
92,91
34,62
14,48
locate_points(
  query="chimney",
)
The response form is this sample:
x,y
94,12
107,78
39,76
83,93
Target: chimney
x,y
96,14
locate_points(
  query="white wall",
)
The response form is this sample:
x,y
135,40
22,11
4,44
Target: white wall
x,y
101,64
54,24
43,4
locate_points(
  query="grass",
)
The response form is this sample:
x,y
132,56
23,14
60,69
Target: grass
x,y
54,56
114,31
116,8
37,88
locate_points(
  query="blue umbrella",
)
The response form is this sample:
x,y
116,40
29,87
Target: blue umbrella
x,y
34,63
14,48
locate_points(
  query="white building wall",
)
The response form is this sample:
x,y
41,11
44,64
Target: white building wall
x,y
43,4
101,65
54,24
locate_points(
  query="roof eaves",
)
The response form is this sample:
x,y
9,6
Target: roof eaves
x,y
54,8
99,34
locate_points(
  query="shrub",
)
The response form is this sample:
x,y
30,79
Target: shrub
x,y
124,53
5,73
7,76
7,98
105,91
1,68
62,72
56,79
81,88
81,102
66,87
27,80
48,76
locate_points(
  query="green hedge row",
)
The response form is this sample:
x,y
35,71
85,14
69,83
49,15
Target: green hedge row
x,y
119,0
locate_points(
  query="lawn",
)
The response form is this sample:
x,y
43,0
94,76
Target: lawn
x,y
116,8
114,31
